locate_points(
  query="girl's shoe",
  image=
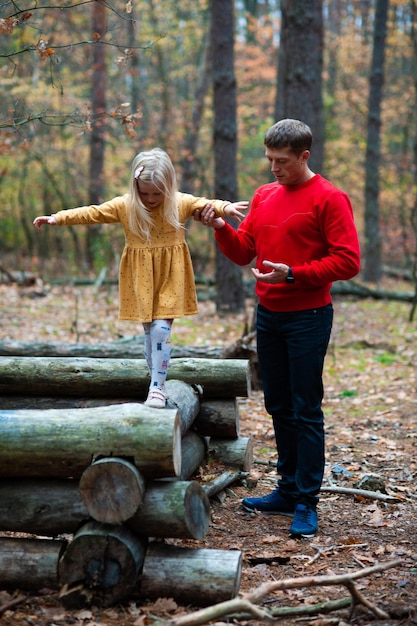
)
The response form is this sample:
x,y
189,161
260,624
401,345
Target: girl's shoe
x,y
156,399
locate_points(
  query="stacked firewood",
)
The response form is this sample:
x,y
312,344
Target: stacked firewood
x,y
99,483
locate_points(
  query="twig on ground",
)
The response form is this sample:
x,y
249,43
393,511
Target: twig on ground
x,y
373,495
246,604
14,602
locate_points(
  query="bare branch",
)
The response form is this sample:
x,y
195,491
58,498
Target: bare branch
x,y
364,493
246,604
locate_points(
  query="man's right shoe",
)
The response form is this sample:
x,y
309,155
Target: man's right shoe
x,y
305,523
272,504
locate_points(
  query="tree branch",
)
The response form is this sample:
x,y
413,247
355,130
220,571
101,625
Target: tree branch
x,y
247,603
373,495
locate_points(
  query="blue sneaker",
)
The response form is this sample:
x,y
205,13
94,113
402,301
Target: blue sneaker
x,y
272,504
305,522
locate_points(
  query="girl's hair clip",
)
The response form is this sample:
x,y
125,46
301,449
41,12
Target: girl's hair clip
x,y
139,171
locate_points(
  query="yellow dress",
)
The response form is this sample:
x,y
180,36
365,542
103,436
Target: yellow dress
x,y
156,278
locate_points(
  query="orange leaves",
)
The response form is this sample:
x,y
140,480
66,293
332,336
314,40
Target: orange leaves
x,y
8,24
43,49
127,119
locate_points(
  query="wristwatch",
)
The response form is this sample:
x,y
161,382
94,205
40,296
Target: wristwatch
x,y
290,277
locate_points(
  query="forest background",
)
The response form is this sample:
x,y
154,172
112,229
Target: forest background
x,y
80,96
85,86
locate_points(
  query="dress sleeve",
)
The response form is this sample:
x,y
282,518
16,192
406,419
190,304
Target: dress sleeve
x,y
188,204
106,213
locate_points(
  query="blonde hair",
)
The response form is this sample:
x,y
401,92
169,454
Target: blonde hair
x,y
154,167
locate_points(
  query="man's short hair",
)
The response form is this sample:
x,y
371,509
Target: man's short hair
x,y
291,134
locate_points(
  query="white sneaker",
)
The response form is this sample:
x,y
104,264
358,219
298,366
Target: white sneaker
x,y
156,399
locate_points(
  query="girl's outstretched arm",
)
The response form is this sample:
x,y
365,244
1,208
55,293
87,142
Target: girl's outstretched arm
x,y
44,219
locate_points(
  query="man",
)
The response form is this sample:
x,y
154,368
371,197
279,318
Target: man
x,y
301,231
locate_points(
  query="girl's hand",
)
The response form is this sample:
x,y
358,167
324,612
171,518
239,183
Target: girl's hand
x,y
44,219
234,210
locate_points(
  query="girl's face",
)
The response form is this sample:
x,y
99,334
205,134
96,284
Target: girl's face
x,y
150,195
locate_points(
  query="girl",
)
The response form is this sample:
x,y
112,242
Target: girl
x,y
156,279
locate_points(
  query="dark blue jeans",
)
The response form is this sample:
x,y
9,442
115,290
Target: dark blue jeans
x,y
291,350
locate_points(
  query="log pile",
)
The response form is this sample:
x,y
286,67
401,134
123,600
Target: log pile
x,y
100,483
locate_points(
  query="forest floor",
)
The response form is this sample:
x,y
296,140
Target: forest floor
x,y
371,428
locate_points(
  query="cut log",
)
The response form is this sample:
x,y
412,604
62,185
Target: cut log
x,y
127,348
181,396
220,483
193,454
22,278
178,509
245,348
117,377
100,566
218,378
199,577
62,443
29,563
235,452
186,399
53,507
215,417
218,417
48,507
55,402
43,507
112,490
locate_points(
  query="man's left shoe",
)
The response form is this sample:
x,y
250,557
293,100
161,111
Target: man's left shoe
x,y
305,522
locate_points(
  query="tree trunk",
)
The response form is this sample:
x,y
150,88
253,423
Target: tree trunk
x,y
175,509
62,443
200,577
100,566
97,137
189,169
300,67
221,378
112,490
230,292
29,563
373,269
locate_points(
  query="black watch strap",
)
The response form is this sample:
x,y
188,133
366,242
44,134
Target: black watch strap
x,y
290,277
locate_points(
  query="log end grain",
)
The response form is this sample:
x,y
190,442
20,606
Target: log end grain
x,y
100,566
112,490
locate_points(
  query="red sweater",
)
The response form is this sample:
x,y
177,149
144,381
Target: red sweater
x,y
310,227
